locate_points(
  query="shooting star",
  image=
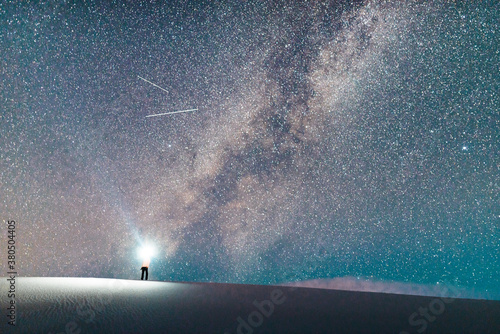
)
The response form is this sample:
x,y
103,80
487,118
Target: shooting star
x,y
172,112
163,89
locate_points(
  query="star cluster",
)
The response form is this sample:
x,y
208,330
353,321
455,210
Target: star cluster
x,y
331,139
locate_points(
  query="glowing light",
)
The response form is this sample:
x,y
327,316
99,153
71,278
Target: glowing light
x,y
146,252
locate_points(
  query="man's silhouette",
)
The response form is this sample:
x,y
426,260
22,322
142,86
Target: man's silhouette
x,y
144,268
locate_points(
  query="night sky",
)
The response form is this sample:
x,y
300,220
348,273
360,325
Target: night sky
x,y
331,139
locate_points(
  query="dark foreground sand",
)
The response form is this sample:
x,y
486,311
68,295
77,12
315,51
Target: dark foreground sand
x,y
91,305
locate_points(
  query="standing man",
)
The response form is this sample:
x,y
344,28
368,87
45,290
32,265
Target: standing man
x,y
145,266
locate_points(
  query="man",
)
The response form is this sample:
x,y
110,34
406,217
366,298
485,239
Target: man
x,y
144,268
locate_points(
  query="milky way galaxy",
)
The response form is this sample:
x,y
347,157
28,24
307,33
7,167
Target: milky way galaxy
x,y
330,139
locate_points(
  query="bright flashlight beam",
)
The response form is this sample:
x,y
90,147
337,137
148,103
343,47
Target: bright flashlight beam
x,y
172,112
146,252
163,89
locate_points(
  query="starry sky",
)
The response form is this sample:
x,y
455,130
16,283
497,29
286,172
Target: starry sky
x,y
332,139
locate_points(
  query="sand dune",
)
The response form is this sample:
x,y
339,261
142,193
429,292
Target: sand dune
x,y
91,305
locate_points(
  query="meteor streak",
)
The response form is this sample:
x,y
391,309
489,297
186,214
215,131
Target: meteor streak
x,y
163,89
172,112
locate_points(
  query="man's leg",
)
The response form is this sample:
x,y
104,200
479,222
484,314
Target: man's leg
x,y
142,274
146,274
